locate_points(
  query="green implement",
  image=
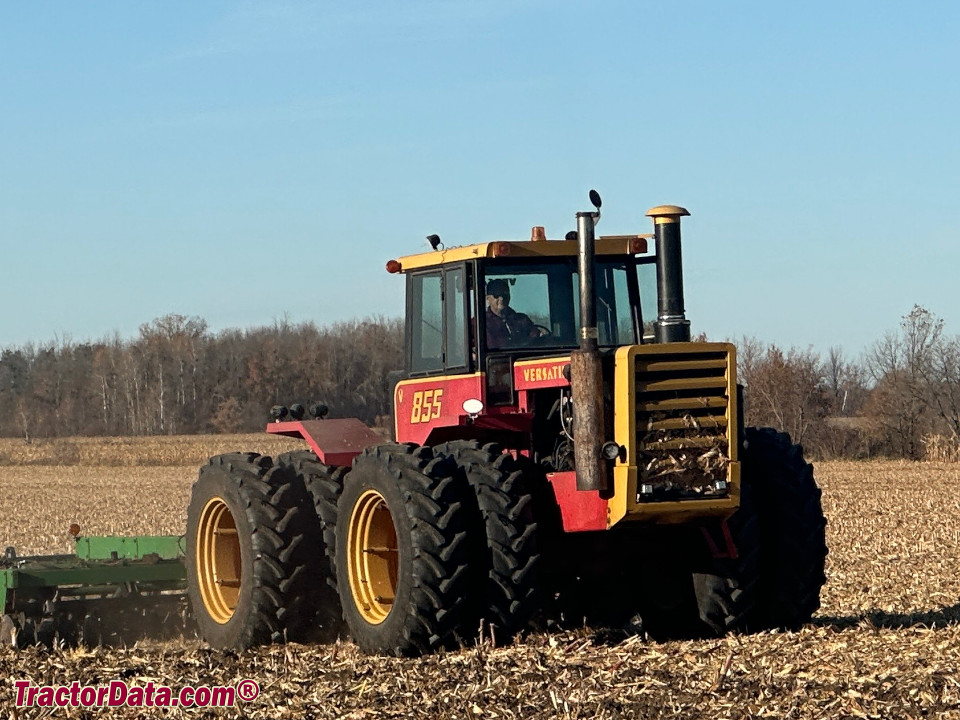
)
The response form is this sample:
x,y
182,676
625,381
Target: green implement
x,y
112,590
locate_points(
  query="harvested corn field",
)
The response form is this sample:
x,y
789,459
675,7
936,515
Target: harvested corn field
x,y
186,450
886,642
109,486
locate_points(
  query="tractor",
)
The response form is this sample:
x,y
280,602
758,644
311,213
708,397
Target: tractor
x,y
573,456
563,453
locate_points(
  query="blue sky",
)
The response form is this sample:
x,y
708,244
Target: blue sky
x,y
247,162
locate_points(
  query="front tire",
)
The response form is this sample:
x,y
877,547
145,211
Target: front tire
x,y
402,555
779,533
249,537
727,588
792,528
503,534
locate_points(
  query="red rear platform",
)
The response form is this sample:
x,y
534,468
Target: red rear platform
x,y
336,442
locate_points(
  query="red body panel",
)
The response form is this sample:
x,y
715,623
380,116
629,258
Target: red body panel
x,y
422,405
581,510
336,442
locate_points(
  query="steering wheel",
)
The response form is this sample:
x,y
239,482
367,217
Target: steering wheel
x,y
544,338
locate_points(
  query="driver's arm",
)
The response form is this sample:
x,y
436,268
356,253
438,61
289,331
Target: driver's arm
x,y
528,328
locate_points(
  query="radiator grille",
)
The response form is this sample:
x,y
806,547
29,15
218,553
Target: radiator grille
x,y
682,424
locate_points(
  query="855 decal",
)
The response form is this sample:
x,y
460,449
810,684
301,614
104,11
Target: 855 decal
x,y
426,405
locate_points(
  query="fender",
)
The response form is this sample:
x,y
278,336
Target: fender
x,y
336,442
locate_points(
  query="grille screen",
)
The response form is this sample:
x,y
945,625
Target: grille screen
x,y
682,423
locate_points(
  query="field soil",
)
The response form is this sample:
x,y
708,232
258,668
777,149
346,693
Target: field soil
x,y
885,643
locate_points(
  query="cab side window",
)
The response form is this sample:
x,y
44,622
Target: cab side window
x,y
425,320
647,280
436,320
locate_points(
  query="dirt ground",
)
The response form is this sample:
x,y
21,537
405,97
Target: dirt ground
x,y
885,644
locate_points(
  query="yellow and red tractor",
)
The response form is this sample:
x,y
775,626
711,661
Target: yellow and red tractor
x,y
563,450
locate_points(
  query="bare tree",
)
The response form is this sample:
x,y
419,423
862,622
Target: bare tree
x,y
785,390
916,390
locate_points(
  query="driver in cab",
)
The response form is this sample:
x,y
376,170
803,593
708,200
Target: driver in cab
x,y
505,326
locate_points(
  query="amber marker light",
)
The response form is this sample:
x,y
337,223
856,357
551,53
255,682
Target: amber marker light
x,y
638,245
501,249
394,266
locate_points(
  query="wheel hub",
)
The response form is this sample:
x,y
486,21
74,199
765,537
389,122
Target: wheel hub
x,y
372,557
218,560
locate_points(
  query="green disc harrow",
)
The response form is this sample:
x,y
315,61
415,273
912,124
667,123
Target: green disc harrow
x,y
113,590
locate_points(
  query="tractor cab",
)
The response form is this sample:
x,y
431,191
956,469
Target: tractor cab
x,y
475,314
506,343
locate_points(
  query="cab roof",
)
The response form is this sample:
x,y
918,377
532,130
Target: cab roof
x,y
603,245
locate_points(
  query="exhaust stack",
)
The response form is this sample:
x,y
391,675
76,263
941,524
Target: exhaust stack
x,y
672,324
586,381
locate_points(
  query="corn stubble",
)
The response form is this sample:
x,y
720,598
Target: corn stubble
x,y
885,644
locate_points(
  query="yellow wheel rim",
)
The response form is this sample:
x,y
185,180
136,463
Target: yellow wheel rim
x,y
372,557
218,560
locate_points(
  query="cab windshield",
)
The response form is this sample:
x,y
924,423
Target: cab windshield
x,y
539,305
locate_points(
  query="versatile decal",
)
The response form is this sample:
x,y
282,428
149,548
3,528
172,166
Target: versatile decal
x,y
543,373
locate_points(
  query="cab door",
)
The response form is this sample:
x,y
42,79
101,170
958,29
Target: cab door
x,y
439,360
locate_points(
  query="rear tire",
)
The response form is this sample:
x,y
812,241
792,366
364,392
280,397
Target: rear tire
x,y
402,552
249,544
505,560
324,484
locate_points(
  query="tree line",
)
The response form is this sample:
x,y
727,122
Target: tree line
x,y
176,377
901,398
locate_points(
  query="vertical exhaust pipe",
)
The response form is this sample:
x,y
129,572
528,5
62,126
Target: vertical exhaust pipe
x,y
586,380
672,324
588,301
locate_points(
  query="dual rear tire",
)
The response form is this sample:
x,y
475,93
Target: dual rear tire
x,y
323,484
250,544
